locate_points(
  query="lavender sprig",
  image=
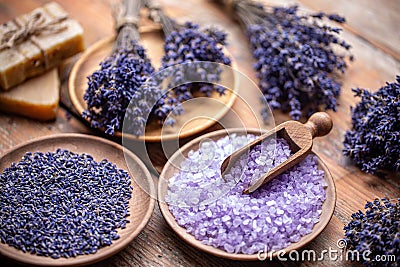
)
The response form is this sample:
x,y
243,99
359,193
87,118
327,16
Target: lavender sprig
x,y
374,140
112,87
296,62
376,231
118,90
185,44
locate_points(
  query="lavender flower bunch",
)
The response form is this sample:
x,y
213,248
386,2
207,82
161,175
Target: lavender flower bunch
x,y
296,62
377,231
112,87
186,44
374,140
121,88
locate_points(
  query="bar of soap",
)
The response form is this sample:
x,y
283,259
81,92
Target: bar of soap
x,y
40,52
37,98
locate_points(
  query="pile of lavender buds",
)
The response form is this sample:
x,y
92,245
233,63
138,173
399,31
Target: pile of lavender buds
x,y
62,204
218,214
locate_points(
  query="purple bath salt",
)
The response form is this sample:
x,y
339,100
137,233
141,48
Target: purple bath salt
x,y
216,212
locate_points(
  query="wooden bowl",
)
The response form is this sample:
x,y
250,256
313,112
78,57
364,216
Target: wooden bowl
x,y
171,168
141,205
153,40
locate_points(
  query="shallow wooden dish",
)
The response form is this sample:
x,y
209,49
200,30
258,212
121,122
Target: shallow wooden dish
x,y
141,204
169,169
153,40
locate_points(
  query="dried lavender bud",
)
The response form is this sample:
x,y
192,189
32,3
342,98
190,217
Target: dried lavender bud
x,y
374,140
62,204
296,61
376,230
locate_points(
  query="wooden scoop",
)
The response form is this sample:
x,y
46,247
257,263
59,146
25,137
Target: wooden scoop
x,y
300,138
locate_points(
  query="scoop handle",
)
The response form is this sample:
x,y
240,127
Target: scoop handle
x,y
319,124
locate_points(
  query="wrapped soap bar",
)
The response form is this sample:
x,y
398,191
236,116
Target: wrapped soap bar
x,y
36,42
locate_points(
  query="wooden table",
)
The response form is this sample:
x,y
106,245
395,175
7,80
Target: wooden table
x,y
372,30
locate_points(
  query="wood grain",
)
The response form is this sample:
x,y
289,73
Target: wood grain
x,y
158,245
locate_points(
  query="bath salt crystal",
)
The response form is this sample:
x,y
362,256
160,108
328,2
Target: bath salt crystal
x,y
229,248
226,218
209,213
216,212
236,222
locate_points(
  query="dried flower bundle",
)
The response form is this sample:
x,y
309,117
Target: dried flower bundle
x,y
186,44
120,79
374,140
376,230
112,87
119,89
296,57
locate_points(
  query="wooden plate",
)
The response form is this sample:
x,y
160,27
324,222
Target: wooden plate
x,y
141,205
170,168
185,126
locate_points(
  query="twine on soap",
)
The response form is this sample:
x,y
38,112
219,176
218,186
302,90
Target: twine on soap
x,y
34,26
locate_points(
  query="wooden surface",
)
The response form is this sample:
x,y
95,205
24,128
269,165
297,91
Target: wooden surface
x,y
374,45
172,167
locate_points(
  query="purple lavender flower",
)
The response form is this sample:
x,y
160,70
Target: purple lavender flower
x,y
190,55
374,140
295,57
186,44
376,231
112,87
